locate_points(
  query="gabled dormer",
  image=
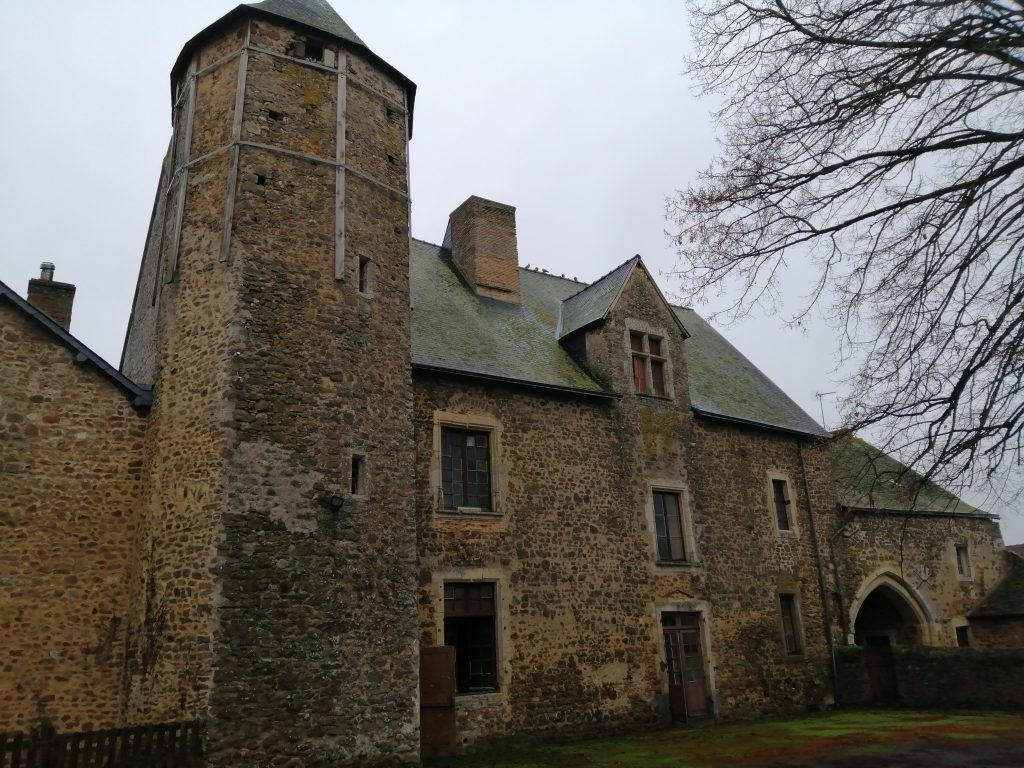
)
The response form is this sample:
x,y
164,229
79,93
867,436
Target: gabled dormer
x,y
622,329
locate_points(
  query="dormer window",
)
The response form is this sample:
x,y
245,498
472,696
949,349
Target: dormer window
x,y
649,360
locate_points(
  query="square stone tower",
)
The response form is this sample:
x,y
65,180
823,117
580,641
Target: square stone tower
x,y
274,594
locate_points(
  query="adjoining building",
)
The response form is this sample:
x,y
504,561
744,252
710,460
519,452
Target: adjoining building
x,y
351,496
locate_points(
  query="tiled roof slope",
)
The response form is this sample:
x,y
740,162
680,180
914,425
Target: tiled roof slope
x,y
593,302
455,330
313,13
1007,599
867,479
726,384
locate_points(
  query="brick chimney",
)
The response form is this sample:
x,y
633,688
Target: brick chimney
x,y
482,237
51,297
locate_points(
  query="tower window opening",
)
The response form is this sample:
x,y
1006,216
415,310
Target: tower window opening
x,y
314,50
261,179
363,277
275,115
357,478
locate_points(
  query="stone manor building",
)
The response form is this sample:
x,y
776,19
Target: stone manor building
x,y
351,497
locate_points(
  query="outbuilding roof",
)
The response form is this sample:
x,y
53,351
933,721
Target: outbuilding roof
x,y
140,395
869,479
457,331
1007,599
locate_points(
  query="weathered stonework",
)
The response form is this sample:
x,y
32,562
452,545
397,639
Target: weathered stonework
x,y
70,485
259,602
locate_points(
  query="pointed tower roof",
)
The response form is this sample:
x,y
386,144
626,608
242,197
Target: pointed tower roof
x,y
317,14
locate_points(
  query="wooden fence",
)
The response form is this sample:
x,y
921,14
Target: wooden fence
x,y
169,745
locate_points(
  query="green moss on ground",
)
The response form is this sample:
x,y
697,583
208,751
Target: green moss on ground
x,y
799,741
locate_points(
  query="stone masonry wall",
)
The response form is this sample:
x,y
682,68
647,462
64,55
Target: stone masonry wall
x,y
70,480
574,557
315,656
918,554
750,562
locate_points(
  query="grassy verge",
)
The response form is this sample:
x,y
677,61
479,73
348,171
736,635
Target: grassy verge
x,y
758,743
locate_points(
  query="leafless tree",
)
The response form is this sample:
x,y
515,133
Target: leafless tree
x,y
882,142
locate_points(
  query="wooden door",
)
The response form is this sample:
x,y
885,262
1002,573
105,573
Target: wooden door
x,y
437,700
687,688
881,669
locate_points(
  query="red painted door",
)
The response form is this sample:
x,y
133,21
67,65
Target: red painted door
x,y
687,688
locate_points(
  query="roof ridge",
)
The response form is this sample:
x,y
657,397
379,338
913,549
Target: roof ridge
x,y
607,274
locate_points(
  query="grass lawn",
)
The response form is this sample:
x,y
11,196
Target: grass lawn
x,y
805,741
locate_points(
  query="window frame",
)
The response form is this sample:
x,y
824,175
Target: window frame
x,y
365,275
682,496
795,618
966,572
471,616
470,489
475,422
648,360
774,477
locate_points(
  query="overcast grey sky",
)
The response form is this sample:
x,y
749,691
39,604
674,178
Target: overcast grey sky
x,y
575,112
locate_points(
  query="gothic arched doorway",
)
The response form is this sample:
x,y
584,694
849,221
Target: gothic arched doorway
x,y
887,615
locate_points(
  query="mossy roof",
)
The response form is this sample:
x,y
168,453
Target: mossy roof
x,y
455,330
592,303
317,14
725,384
869,479
1007,599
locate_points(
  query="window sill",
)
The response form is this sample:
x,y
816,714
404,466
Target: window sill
x,y
468,512
651,396
474,699
787,534
794,658
678,565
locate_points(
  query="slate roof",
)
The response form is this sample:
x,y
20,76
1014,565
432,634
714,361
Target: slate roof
x,y
593,303
869,479
313,13
140,395
725,384
457,331
1007,599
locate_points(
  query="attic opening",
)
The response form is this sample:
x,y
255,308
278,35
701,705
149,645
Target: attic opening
x,y
308,48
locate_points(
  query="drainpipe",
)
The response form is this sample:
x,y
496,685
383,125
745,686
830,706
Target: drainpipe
x,y
845,531
822,587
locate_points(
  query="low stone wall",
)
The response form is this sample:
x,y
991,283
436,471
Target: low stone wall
x,y
949,678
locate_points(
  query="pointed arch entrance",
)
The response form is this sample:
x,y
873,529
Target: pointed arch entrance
x,y
889,611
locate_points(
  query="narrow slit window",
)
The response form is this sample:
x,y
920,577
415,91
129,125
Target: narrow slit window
x,y
261,180
357,477
274,115
363,277
963,561
780,500
791,633
668,525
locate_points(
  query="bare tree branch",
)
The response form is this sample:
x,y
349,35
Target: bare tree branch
x,y
883,141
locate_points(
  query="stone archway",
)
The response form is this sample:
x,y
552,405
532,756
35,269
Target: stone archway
x,y
889,611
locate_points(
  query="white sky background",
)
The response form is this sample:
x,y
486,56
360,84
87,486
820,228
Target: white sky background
x,y
576,112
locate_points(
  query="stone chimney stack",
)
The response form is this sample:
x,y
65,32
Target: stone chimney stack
x,y
53,298
482,238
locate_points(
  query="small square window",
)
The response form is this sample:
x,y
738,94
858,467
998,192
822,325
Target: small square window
x,y
792,634
465,469
963,561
